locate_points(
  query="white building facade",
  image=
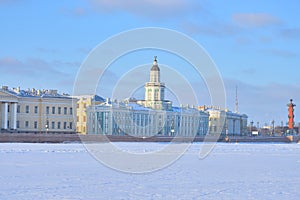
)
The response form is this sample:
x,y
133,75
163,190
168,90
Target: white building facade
x,y
233,123
122,118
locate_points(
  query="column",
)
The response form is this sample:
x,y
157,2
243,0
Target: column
x,y
13,116
4,115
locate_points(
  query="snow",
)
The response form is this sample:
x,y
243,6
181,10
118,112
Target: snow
x,y
230,171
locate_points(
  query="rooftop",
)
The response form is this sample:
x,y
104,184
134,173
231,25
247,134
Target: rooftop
x,y
45,93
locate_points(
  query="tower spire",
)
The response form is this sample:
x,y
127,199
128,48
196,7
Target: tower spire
x,y
236,109
155,60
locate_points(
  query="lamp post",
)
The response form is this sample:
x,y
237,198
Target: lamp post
x,y
273,122
251,125
172,127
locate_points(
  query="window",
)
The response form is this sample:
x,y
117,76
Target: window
x,y
26,124
84,105
18,109
53,110
59,110
77,105
35,125
27,109
71,111
53,125
35,109
8,108
58,125
18,124
47,110
71,125
78,118
65,110
84,118
65,125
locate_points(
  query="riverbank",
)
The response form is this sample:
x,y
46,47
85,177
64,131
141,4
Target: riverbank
x,y
65,138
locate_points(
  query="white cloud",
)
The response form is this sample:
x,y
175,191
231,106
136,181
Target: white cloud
x,y
155,9
291,33
37,72
211,29
75,12
255,20
280,53
6,2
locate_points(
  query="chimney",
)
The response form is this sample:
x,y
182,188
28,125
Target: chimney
x,y
52,92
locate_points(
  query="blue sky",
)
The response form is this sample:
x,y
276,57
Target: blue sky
x,y
255,44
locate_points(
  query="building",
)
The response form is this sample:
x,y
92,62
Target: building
x,y
127,118
155,91
149,117
83,102
36,111
234,123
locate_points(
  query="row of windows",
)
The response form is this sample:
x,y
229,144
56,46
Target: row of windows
x,y
83,105
54,110
58,125
83,119
59,110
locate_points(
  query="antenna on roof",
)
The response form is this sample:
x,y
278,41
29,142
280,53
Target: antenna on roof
x,y
236,109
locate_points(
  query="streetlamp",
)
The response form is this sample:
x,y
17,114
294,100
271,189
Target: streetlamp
x,y
273,122
281,127
251,125
172,127
172,132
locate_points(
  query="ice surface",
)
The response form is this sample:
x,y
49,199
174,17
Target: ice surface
x,y
231,171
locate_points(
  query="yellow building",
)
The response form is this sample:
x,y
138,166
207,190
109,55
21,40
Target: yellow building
x,y
83,102
38,111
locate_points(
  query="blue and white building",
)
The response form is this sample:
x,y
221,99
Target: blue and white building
x,y
156,116
130,118
149,117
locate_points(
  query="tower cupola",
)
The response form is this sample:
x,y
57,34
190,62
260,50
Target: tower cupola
x,y
155,72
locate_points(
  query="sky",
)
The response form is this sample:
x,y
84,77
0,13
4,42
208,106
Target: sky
x,y
254,44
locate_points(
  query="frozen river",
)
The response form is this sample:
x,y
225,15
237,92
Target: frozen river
x,y
231,171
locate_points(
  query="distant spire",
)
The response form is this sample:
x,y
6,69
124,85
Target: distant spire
x,y
155,60
236,109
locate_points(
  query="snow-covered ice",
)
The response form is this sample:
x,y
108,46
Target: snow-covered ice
x,y
231,171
